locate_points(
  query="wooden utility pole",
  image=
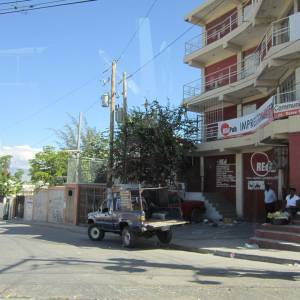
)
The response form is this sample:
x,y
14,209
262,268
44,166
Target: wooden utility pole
x,y
78,148
111,127
125,126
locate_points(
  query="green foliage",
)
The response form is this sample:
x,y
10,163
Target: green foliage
x,y
157,141
9,184
48,166
93,143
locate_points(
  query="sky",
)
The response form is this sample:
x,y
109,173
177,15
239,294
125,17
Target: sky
x,y
52,63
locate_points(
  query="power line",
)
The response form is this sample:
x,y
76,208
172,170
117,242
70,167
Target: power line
x,y
136,31
14,2
43,6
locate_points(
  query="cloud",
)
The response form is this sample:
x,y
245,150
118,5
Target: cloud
x,y
20,155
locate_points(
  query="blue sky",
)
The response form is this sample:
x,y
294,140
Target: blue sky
x,y
59,54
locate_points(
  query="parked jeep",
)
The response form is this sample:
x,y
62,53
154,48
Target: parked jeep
x,y
134,214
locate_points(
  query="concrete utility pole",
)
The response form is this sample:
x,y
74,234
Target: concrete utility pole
x,y
111,130
125,125
78,147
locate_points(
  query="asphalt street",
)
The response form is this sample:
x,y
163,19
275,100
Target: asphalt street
x,y
41,262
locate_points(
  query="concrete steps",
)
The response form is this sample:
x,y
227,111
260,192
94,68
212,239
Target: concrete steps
x,y
281,237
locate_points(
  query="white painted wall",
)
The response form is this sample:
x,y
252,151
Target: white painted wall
x,y
28,208
56,205
40,210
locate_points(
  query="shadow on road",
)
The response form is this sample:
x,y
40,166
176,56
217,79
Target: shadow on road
x,y
201,275
77,237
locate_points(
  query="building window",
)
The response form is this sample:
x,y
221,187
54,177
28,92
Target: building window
x,y
287,89
249,109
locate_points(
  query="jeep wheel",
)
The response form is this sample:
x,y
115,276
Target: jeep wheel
x,y
128,237
196,215
164,237
95,233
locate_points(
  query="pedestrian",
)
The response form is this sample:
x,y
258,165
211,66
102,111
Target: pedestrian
x,y
292,202
270,201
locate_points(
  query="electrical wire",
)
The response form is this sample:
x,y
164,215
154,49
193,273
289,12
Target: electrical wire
x,y
136,31
43,6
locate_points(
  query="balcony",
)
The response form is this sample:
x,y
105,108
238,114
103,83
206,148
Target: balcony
x,y
279,106
220,78
275,53
217,32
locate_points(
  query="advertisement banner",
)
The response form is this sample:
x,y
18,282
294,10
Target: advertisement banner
x,y
286,109
246,124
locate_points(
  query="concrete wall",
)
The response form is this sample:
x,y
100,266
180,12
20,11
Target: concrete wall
x,y
56,205
28,208
294,162
40,206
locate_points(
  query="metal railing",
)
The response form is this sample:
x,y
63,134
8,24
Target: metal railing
x,y
209,132
223,77
221,29
278,33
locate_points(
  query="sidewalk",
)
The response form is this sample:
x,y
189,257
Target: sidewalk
x,y
228,240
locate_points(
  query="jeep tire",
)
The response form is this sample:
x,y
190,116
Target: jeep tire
x,y
95,233
164,237
128,237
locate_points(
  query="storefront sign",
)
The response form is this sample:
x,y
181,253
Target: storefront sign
x,y
286,109
256,185
248,123
225,174
260,164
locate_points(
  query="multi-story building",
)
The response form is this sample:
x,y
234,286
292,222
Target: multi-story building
x,y
247,99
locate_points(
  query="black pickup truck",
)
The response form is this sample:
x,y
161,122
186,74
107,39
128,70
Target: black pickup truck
x,y
134,215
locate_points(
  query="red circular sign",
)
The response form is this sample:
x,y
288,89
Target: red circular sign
x,y
260,164
225,129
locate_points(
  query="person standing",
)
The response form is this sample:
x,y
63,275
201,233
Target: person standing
x,y
270,201
292,202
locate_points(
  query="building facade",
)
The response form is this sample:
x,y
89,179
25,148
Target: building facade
x,y
247,99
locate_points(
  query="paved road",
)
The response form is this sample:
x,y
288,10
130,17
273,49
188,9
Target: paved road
x,y
38,262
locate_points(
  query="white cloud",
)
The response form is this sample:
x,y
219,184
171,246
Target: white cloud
x,y
20,155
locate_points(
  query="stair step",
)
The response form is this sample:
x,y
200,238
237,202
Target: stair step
x,y
275,244
282,228
278,235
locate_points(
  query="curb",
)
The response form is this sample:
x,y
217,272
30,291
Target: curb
x,y
259,258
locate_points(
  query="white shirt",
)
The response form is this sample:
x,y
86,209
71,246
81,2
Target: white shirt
x,y
291,201
270,196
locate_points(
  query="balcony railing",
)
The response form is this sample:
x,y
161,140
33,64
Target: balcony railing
x,y
223,77
282,104
220,30
278,33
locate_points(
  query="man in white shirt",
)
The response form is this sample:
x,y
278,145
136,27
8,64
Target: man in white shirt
x,y
292,201
270,201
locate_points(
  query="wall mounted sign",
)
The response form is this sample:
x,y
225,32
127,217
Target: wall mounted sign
x,y
261,164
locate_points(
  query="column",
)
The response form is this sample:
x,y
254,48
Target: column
x,y
294,162
297,79
239,185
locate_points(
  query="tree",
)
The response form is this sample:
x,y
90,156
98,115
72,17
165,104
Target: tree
x,y
158,140
9,184
94,144
48,166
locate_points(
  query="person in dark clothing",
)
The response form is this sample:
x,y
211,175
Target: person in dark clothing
x,y
270,201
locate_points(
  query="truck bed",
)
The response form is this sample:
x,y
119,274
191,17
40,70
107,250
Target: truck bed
x,y
163,223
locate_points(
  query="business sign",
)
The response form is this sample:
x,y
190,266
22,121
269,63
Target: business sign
x,y
248,123
261,164
225,174
286,109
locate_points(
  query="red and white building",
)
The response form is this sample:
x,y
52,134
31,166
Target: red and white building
x,y
247,99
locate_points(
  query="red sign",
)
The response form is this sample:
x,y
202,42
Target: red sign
x,y
225,129
260,164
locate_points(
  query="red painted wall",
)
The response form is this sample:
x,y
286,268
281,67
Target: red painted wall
x,y
294,161
219,74
210,176
230,112
221,26
254,210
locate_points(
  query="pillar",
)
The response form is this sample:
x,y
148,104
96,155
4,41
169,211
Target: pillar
x,y
294,162
239,185
297,80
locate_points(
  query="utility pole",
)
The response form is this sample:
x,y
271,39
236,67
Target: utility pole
x,y
111,131
78,147
125,126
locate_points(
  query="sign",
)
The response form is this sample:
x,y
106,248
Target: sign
x,y
225,174
286,109
260,164
256,185
246,124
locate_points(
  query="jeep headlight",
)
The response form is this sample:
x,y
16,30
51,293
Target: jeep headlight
x,y
141,218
